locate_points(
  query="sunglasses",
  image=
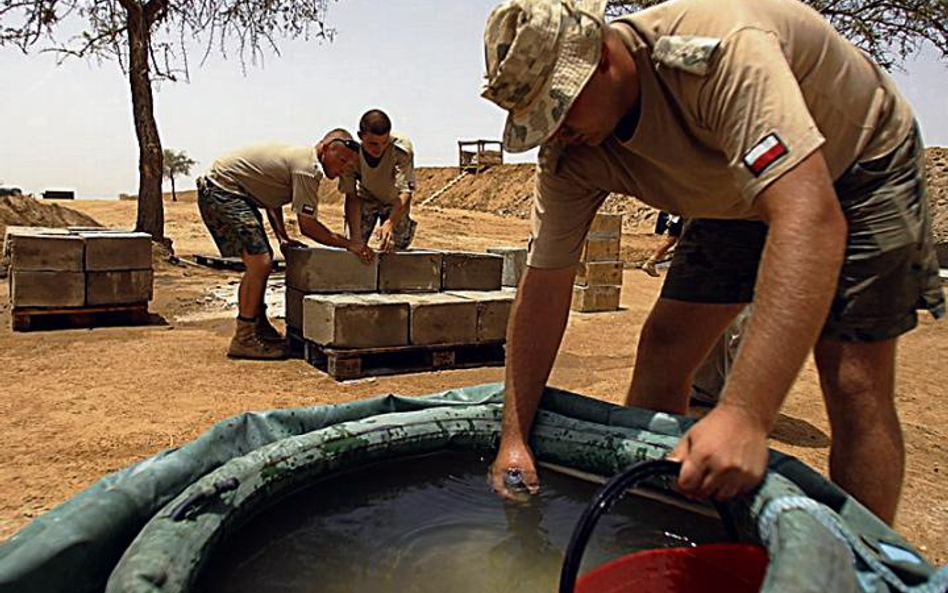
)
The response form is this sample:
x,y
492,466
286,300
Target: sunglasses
x,y
350,144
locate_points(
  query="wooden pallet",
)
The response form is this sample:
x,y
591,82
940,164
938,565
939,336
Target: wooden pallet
x,y
353,363
35,318
230,263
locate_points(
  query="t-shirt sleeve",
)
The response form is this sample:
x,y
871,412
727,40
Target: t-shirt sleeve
x,y
306,193
347,184
404,168
562,211
753,105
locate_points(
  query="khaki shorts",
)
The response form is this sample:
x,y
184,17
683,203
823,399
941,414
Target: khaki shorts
x,y
890,269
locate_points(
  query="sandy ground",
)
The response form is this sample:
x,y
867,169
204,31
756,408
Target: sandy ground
x,y
82,403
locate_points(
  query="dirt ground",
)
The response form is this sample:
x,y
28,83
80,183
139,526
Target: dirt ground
x,y
82,403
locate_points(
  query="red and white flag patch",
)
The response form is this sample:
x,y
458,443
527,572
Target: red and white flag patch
x,y
767,152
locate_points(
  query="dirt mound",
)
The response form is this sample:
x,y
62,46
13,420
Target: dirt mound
x,y
936,170
28,211
507,190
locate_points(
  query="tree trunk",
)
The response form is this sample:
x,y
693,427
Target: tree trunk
x,y
174,197
151,216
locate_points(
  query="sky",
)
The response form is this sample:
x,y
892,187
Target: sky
x,y
70,126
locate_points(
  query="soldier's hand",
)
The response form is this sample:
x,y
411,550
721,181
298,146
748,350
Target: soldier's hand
x,y
386,236
287,244
362,251
723,455
513,475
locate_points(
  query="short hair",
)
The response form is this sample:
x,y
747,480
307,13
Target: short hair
x,y
341,133
375,122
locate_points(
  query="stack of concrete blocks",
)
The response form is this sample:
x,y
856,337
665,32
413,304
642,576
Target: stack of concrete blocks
x,y
407,298
598,284
72,268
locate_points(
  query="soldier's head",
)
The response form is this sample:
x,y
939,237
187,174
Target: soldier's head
x,y
375,130
552,64
338,153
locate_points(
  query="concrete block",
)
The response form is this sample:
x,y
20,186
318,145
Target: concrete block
x,y
11,231
119,287
493,312
439,318
410,271
941,252
355,321
46,252
116,250
293,308
600,249
591,299
599,273
47,289
515,262
606,226
329,270
471,271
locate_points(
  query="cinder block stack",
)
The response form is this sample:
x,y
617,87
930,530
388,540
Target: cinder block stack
x,y
419,298
598,284
63,268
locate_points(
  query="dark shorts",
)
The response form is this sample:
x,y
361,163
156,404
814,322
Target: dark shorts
x,y
664,224
234,221
376,212
890,269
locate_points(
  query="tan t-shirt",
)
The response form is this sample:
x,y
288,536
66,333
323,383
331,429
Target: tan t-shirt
x,y
272,175
392,176
733,95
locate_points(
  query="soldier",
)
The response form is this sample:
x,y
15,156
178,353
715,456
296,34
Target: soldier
x,y
379,189
800,157
268,176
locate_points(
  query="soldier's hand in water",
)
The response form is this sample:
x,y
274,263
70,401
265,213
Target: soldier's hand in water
x,y
723,455
513,474
362,251
386,236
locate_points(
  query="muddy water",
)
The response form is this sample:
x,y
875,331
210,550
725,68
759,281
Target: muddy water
x,y
430,524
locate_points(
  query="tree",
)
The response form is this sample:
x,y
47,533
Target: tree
x,y
151,39
176,163
889,30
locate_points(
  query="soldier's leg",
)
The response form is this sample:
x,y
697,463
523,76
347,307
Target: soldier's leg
x,y
889,272
867,456
711,279
405,232
676,337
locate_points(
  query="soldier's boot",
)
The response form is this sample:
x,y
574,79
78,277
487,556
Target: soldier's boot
x,y
266,332
247,344
649,267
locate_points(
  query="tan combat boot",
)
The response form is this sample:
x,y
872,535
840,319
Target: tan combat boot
x,y
266,332
649,267
246,344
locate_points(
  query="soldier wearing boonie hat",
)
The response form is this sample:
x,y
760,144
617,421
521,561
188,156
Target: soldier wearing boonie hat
x,y
727,114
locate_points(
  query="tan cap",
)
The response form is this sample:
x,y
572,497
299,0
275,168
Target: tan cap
x,y
540,54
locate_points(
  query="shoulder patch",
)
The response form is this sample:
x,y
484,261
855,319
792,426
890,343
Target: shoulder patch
x,y
308,209
767,152
686,52
402,143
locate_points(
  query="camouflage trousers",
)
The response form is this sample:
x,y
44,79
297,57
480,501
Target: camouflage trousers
x,y
375,212
890,269
234,220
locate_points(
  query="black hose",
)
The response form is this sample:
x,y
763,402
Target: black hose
x,y
605,499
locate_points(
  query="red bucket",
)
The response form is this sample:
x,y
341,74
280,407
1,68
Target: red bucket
x,y
714,568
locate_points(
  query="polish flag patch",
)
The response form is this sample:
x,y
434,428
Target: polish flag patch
x,y
767,152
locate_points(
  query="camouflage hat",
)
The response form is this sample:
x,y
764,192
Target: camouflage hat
x,y
540,54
